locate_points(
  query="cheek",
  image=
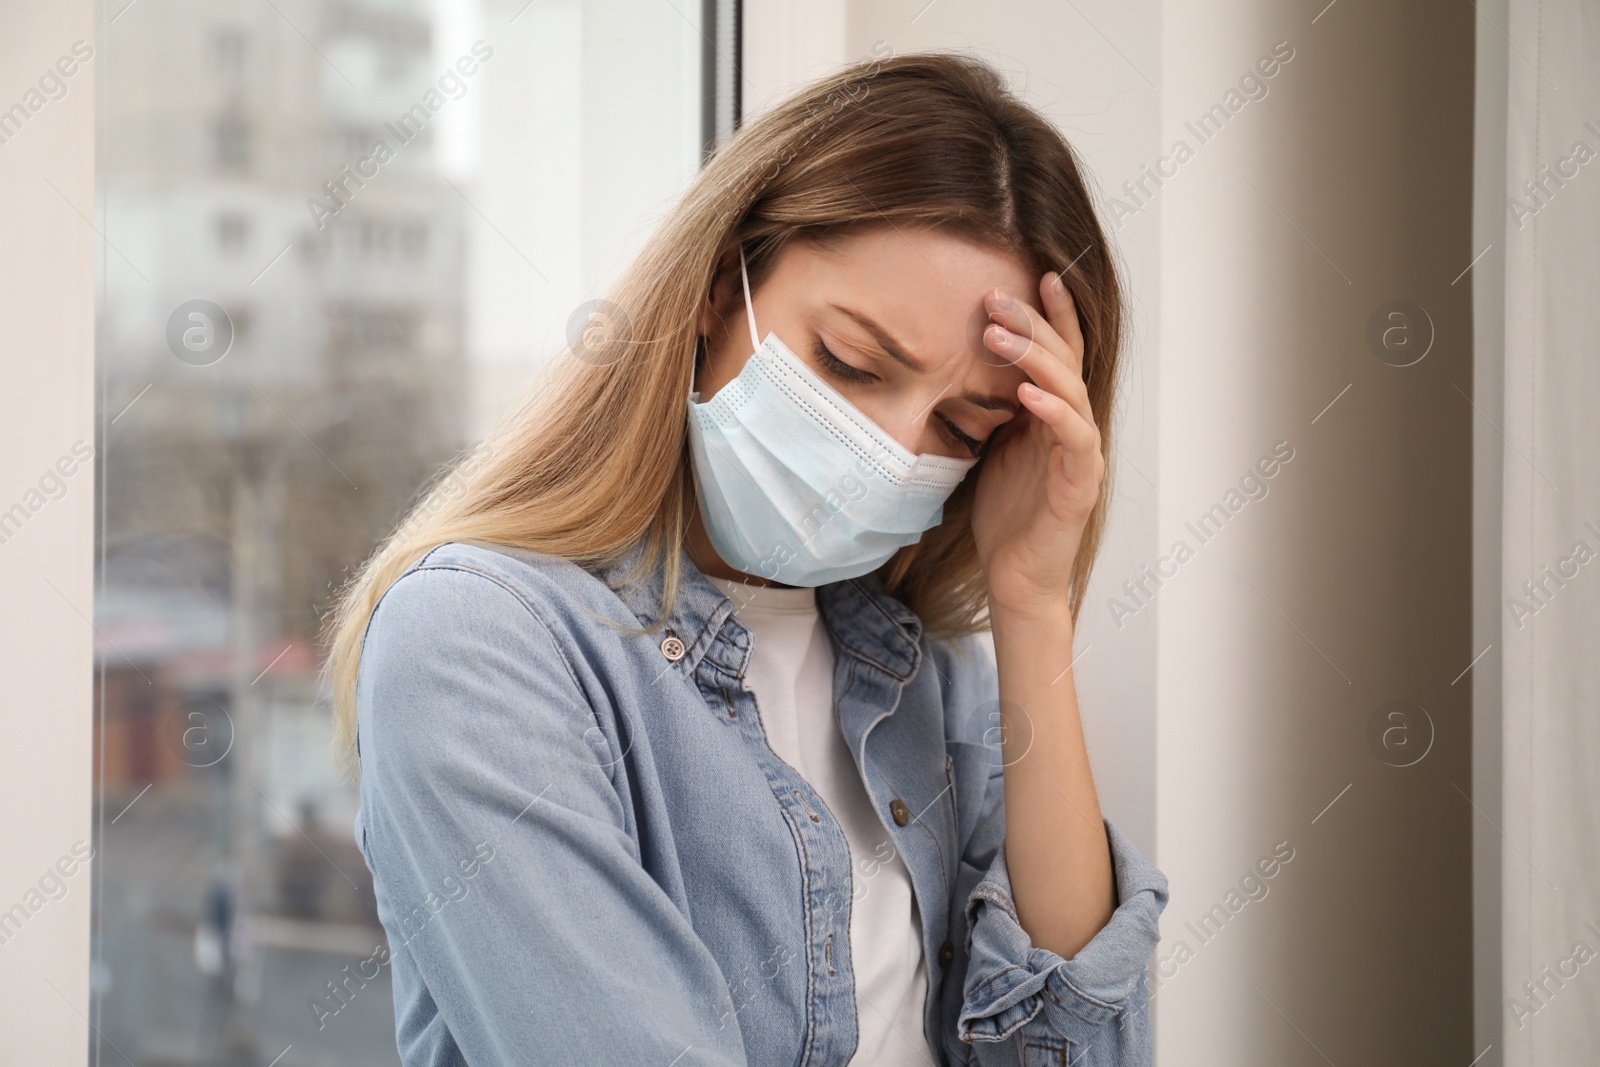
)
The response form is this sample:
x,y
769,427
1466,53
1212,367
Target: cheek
x,y
903,414
724,359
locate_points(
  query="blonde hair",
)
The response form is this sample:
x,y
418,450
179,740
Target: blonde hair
x,y
598,457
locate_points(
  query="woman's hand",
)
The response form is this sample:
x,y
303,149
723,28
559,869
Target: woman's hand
x,y
1042,479
1034,498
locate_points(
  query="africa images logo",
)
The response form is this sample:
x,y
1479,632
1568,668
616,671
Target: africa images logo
x,y
407,127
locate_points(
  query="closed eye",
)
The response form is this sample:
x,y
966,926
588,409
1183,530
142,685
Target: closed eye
x,y
838,366
970,444
834,365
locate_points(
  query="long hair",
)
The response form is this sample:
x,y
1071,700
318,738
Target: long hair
x,y
597,457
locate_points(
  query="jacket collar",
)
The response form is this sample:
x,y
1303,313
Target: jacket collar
x,y
865,621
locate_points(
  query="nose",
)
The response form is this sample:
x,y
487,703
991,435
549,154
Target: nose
x,y
913,424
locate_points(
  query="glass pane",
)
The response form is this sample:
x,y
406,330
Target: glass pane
x,y
342,236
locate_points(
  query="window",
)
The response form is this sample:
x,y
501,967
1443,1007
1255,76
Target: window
x,y
230,141
229,49
313,328
233,232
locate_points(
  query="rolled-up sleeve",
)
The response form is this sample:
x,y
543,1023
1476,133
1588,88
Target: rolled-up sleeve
x,y
1097,1000
1015,1003
522,927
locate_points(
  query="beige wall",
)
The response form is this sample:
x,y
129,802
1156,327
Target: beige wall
x,y
1228,713
1349,585
1548,897
1490,165
47,270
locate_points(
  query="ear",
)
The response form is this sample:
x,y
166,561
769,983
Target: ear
x,y
709,319
719,296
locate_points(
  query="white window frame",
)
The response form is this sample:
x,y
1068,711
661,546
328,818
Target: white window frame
x,y
47,299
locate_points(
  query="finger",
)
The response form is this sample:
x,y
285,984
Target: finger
x,y
1022,318
1048,359
1077,435
1046,369
1062,311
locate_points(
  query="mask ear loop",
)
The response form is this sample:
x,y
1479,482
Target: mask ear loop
x,y
749,308
750,316
694,365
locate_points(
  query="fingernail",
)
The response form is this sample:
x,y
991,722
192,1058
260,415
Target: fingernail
x,y
1057,284
1004,302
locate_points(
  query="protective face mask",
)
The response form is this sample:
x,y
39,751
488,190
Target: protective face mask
x,y
795,484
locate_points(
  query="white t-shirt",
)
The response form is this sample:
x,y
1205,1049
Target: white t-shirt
x,y
791,675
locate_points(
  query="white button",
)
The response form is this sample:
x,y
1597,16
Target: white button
x,y
672,648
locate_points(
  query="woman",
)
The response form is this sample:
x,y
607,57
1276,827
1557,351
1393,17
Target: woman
x,y
678,742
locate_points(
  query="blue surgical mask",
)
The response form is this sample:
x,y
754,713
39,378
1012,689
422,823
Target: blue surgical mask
x,y
795,484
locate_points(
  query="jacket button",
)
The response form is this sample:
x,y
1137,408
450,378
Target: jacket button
x,y
947,953
901,813
672,647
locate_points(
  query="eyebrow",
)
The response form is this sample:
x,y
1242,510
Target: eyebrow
x,y
897,353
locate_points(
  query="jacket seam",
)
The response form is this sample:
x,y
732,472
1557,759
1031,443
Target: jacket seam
x,y
885,668
944,877
990,893
533,613
914,658
1015,1027
1080,994
703,640
992,979
812,993
1053,971
379,602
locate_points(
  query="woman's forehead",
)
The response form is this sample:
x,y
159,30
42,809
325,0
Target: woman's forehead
x,y
924,287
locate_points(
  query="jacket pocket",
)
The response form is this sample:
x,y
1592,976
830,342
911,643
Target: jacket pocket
x,y
1043,1052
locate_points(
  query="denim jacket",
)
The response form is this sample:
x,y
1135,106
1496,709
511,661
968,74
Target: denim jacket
x,y
585,852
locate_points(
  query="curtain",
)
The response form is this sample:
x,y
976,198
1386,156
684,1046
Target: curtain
x,y
1549,611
